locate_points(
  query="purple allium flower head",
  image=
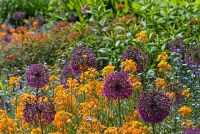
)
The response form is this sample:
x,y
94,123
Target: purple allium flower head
x,y
67,72
138,56
117,85
177,46
192,131
18,15
83,58
85,9
37,75
39,110
72,16
153,106
192,59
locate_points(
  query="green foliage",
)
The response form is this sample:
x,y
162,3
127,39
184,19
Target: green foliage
x,y
30,7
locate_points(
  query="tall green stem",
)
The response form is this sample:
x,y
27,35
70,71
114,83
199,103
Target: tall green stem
x,y
119,108
153,126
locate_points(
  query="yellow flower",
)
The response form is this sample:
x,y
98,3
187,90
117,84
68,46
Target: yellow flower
x,y
163,56
53,78
72,83
36,131
186,93
88,75
35,24
184,110
134,78
129,66
137,86
160,83
142,36
14,80
111,130
7,125
108,70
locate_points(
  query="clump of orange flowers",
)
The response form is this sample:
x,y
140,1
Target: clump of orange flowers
x,y
160,83
14,81
163,65
142,36
135,127
62,119
7,125
109,69
184,110
186,93
129,66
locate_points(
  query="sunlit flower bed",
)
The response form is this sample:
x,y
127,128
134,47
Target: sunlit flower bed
x,y
84,100
123,69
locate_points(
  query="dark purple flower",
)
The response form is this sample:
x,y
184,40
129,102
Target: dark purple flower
x,y
192,59
153,106
37,75
40,110
83,58
18,15
192,131
72,16
85,9
177,46
67,72
117,85
135,54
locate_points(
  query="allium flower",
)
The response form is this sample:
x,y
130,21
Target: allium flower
x,y
135,54
72,16
83,58
85,9
37,75
41,110
192,131
153,106
117,85
18,15
67,72
177,46
192,58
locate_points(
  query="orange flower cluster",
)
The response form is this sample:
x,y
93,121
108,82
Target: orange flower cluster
x,y
161,84
129,66
184,110
142,36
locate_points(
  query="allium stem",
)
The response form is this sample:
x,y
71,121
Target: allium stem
x,y
175,120
153,127
119,108
71,102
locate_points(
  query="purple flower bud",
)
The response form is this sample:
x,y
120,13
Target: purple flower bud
x,y
18,15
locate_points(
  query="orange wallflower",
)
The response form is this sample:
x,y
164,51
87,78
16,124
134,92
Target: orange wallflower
x,y
142,36
129,66
184,110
